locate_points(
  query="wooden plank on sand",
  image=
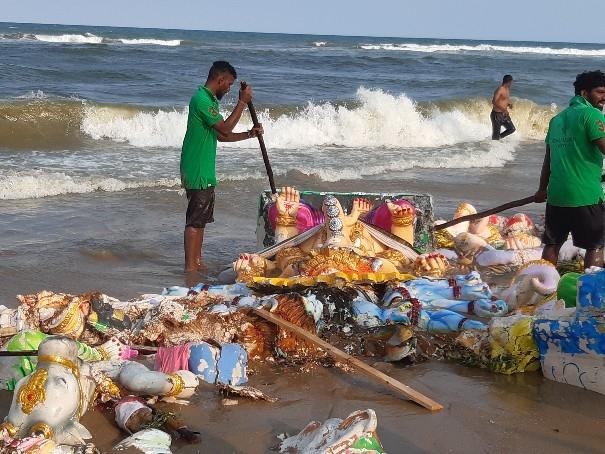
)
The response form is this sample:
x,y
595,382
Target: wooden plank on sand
x,y
410,393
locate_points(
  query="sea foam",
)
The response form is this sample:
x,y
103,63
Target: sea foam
x,y
37,184
452,48
89,38
489,154
379,120
156,42
140,129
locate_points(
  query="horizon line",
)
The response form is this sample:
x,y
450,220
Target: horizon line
x,y
301,34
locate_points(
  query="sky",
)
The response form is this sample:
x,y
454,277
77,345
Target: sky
x,y
514,20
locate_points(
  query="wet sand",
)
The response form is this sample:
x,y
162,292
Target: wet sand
x,y
483,412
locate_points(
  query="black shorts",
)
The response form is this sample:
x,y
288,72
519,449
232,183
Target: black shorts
x,y
586,224
500,119
200,210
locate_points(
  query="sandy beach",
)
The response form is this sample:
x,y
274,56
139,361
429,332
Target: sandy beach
x,y
91,124
483,412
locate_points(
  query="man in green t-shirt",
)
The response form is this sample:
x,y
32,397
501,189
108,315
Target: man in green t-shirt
x,y
570,181
206,126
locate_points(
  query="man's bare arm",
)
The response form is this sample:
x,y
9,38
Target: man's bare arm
x,y
495,97
225,127
237,136
545,174
544,177
232,136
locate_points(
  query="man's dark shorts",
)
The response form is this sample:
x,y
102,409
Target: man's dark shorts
x,y
500,119
200,210
586,224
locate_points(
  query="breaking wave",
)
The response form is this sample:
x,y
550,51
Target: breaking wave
x,y
454,48
88,38
159,128
383,120
37,184
376,120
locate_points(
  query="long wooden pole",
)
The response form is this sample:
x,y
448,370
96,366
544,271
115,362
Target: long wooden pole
x,y
410,393
482,214
261,142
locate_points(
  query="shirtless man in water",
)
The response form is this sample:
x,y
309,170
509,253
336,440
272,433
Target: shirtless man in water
x,y
501,104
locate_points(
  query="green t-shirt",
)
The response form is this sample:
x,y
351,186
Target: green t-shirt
x,y
198,155
576,163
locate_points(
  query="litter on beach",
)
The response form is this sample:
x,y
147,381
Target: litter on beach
x,y
348,297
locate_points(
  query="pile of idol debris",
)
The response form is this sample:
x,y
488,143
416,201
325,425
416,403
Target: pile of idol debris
x,y
340,288
211,332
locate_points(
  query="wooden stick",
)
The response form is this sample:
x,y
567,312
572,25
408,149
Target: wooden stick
x,y
482,214
261,142
19,353
342,356
148,349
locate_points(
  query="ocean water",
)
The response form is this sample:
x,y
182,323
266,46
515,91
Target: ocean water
x,y
92,120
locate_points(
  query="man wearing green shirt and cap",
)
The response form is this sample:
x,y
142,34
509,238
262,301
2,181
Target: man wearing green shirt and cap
x,y
570,181
206,126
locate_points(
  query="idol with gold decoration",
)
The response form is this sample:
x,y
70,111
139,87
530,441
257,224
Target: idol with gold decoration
x,y
344,247
13,368
474,251
488,228
51,313
516,232
50,402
